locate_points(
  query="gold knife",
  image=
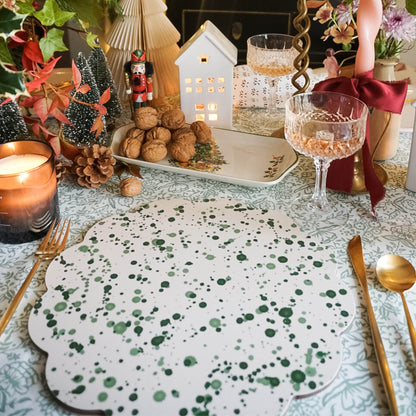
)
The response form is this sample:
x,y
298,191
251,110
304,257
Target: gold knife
x,y
356,253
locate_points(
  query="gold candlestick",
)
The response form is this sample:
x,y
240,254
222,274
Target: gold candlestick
x,y
302,43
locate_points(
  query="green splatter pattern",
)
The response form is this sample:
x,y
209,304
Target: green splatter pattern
x,y
192,308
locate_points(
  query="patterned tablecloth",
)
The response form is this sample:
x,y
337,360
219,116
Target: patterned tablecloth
x,y
356,390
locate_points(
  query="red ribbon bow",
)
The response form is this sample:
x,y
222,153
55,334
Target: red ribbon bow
x,y
382,95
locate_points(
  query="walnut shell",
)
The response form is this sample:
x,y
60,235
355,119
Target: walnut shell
x,y
136,133
130,147
184,134
159,133
202,131
154,151
130,186
145,118
173,119
181,151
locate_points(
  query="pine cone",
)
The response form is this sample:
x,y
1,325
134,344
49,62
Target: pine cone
x,y
94,166
61,170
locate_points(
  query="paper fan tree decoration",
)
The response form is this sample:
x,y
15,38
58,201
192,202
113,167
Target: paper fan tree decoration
x,y
144,26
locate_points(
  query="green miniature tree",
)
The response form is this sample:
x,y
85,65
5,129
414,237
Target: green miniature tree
x,y
83,117
12,125
103,76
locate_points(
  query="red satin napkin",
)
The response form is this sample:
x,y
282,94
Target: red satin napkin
x,y
386,96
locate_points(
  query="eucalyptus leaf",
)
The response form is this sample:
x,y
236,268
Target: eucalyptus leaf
x,y
52,43
11,83
51,14
10,22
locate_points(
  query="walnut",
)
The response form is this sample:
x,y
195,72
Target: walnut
x,y
184,134
130,147
136,133
130,186
181,151
159,133
202,131
145,118
173,119
153,151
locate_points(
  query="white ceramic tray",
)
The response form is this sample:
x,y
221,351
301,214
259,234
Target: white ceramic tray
x,y
250,159
185,308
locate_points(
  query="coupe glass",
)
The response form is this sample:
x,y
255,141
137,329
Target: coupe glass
x,y
272,55
324,126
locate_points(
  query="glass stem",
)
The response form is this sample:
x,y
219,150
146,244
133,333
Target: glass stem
x,y
319,198
272,105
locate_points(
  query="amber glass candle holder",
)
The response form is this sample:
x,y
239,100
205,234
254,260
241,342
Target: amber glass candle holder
x,y
28,190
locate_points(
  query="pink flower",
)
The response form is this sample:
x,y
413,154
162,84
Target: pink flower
x,y
324,13
345,11
399,24
342,33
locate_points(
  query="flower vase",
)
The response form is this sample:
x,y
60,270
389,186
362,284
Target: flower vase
x,y
384,125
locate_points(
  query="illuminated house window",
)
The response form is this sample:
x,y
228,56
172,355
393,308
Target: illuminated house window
x,y
221,89
211,89
188,80
221,80
211,80
212,107
212,117
203,59
199,107
198,80
198,89
200,117
188,89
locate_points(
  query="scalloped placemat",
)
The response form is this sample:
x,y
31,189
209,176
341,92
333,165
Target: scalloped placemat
x,y
192,308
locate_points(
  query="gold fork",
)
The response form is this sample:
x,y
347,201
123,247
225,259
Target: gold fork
x,y
51,246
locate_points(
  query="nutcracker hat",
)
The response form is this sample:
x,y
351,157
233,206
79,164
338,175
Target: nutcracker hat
x,y
138,56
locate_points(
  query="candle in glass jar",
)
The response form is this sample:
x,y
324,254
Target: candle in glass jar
x,y
13,164
28,190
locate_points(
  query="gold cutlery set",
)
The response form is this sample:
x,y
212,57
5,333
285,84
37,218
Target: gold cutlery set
x,y
394,273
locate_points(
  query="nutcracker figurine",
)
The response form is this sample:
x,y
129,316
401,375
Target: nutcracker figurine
x,y
139,79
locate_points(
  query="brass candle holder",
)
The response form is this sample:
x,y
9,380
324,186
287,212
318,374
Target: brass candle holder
x,y
302,43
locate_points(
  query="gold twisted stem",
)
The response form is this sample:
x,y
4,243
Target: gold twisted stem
x,y
302,43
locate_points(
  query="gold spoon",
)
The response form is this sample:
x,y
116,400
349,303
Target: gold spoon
x,y
397,274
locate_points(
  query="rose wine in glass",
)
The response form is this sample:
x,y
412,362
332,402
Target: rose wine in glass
x,y
271,55
325,126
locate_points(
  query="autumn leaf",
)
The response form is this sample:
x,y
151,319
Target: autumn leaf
x,y
56,144
135,170
97,126
29,101
40,77
31,54
101,109
76,75
59,115
106,95
62,99
83,89
41,108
